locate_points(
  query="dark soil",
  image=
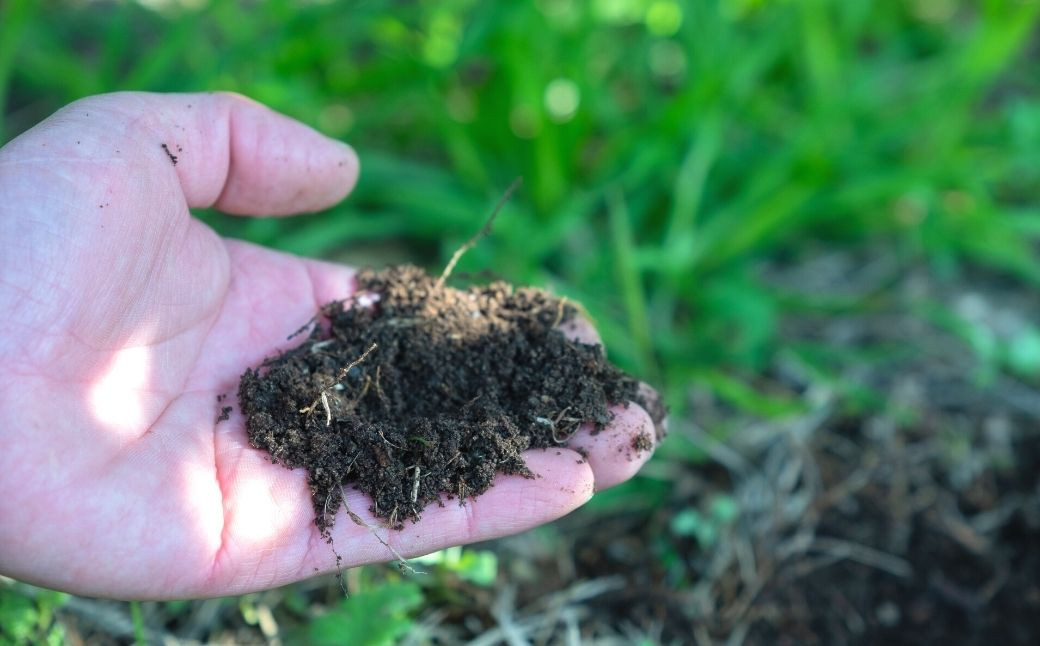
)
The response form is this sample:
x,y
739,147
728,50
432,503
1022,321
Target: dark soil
x,y
642,442
225,414
451,387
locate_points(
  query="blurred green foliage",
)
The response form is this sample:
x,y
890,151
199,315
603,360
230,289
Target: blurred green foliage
x,y
377,616
479,567
29,619
705,525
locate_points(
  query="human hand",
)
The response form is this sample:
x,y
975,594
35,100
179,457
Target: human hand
x,y
125,317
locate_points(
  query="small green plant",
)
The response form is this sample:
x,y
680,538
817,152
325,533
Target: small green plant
x,y
28,619
479,567
374,617
706,525
1022,352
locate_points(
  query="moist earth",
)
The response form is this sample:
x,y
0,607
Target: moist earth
x,y
413,390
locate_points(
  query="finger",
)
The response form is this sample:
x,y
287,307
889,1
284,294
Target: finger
x,y
619,450
330,281
579,329
616,452
513,504
653,403
231,152
270,539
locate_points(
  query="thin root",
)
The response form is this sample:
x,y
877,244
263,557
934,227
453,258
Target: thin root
x,y
361,523
350,466
323,394
388,441
560,309
565,436
321,345
561,436
303,328
472,242
379,389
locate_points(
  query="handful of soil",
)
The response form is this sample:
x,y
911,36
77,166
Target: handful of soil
x,y
414,389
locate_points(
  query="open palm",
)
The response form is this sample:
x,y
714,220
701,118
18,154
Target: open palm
x,y
123,320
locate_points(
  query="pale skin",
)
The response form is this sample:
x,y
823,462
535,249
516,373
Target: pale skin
x,y
124,318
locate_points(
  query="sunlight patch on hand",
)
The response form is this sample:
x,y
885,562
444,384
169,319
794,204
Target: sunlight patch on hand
x,y
116,397
250,520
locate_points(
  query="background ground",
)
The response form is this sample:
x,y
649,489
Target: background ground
x,y
813,222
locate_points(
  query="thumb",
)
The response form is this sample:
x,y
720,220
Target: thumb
x,y
226,150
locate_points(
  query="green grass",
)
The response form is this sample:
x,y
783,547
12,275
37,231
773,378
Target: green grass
x,y
669,149
706,137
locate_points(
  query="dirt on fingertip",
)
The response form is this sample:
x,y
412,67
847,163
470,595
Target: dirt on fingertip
x,y
642,442
413,391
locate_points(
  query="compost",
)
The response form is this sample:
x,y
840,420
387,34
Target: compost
x,y
413,391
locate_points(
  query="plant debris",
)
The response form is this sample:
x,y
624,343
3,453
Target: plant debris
x,y
413,390
173,158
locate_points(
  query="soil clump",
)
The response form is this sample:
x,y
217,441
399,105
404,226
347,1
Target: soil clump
x,y
412,390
